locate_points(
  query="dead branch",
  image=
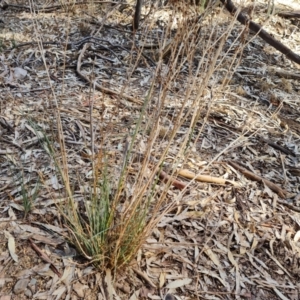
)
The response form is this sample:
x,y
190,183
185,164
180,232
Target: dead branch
x,y
44,257
288,205
289,14
256,28
137,15
278,147
167,178
275,188
206,178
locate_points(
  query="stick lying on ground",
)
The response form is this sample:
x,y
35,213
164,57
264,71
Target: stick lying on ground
x,y
275,188
256,28
206,178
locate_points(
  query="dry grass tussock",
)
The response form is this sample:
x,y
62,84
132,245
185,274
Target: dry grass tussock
x,y
134,165
113,237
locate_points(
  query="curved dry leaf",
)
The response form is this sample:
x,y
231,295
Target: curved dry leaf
x,y
278,263
17,206
162,279
280,295
68,275
196,254
237,282
32,229
214,275
297,236
231,258
212,256
51,227
178,283
79,289
59,292
254,243
135,295
5,72
11,214
11,246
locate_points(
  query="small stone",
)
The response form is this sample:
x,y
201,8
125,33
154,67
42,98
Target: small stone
x,y
169,297
32,281
32,285
20,286
28,293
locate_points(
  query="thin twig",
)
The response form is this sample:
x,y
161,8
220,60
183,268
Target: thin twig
x,y
144,276
44,257
278,147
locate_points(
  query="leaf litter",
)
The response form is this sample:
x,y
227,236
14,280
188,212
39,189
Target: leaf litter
x,y
220,242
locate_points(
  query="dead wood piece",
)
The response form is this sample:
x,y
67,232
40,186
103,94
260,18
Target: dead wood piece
x,y
275,188
289,14
167,178
294,171
256,28
288,205
137,15
278,147
206,178
163,176
45,258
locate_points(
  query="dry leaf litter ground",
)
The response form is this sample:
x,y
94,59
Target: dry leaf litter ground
x,y
221,241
